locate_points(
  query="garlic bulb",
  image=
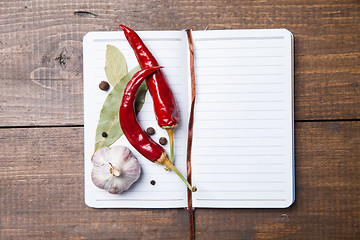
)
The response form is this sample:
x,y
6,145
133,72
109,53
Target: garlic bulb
x,y
115,169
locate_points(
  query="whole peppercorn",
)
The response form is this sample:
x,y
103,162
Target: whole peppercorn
x,y
104,86
104,134
150,131
163,141
152,182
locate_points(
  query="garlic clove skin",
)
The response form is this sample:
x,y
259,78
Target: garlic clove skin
x,y
115,169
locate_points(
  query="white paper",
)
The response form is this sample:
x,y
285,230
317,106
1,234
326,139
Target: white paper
x,y
243,130
243,147
168,47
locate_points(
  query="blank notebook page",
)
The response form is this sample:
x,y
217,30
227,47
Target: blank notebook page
x,y
243,131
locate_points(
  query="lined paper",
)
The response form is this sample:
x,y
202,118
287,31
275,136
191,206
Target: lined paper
x,y
243,132
243,147
168,48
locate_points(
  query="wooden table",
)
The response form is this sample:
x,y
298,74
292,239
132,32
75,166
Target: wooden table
x,y
41,119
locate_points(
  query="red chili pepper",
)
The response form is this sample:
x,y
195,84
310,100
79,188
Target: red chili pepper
x,y
129,125
166,109
133,131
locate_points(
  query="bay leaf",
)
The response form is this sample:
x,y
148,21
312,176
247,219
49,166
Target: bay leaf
x,y
109,114
115,65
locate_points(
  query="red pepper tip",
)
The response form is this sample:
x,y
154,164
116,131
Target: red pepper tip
x,y
124,28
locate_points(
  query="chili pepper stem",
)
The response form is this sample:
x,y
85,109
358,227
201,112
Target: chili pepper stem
x,y
165,161
170,132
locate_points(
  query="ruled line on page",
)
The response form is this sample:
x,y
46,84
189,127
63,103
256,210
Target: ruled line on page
x,y
161,39
240,199
161,51
150,110
241,119
242,65
239,160
238,146
149,163
238,38
238,101
240,74
242,173
245,191
106,40
243,164
214,78
241,56
254,47
130,58
234,128
244,110
250,182
241,137
237,92
155,190
140,200
172,67
242,155
162,182
143,39
246,83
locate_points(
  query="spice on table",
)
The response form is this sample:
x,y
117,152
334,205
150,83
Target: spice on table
x,y
104,85
152,182
136,136
165,106
150,131
163,141
104,134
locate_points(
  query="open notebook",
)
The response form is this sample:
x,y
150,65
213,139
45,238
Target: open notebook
x,y
243,142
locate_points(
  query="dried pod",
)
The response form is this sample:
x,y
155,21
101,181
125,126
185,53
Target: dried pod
x,y
115,169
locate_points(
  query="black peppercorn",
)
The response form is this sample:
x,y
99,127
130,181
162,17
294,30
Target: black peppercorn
x,y
150,131
163,141
104,86
152,182
104,134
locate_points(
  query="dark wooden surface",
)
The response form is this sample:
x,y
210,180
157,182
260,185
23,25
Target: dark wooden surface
x,y
41,119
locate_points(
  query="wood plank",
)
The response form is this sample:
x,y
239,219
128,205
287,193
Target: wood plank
x,y
41,185
42,193
327,187
35,102
41,50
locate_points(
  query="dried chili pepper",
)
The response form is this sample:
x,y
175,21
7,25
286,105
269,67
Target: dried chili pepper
x,y
133,131
165,106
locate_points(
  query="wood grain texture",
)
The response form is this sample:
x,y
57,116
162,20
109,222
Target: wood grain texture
x,y
327,186
41,168
41,49
42,193
41,185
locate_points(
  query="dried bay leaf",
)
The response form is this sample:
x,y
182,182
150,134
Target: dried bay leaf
x,y
115,65
109,114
